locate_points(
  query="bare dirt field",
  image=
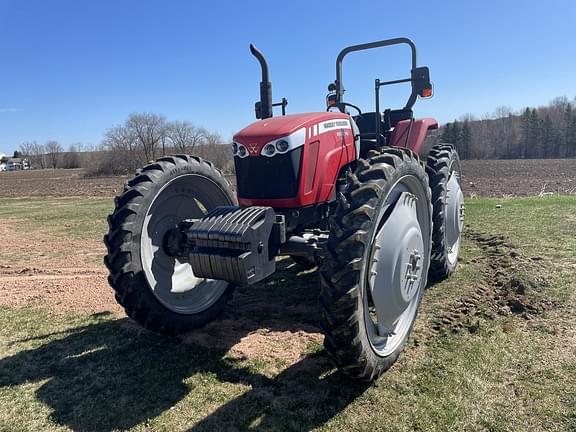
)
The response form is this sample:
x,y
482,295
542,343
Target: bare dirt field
x,y
520,177
61,268
64,274
495,178
57,183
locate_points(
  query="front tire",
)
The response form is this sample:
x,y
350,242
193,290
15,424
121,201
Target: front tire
x,y
159,291
378,254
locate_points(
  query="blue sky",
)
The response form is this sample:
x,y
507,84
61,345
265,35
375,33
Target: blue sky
x,y
71,69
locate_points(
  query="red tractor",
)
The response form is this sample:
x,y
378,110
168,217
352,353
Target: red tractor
x,y
356,194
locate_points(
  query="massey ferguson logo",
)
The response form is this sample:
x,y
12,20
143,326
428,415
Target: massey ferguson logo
x,y
253,148
331,125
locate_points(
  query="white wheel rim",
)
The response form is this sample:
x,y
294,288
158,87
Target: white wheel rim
x,y
173,282
399,260
454,212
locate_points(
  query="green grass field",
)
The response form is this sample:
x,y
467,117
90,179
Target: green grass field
x,y
494,348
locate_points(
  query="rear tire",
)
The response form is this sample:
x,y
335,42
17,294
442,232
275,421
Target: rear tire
x,y
156,290
362,275
444,172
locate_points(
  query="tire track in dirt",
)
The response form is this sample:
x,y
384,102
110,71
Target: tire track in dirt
x,y
8,271
507,287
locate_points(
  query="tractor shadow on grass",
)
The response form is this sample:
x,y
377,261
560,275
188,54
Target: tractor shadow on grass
x,y
110,375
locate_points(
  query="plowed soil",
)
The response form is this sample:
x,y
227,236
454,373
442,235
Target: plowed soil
x,y
497,178
58,183
528,177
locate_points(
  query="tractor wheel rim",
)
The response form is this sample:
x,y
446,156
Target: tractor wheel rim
x,y
399,260
454,216
171,281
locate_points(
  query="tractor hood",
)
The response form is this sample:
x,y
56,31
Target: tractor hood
x,y
256,135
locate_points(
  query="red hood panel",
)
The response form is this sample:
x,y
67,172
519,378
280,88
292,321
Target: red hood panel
x,y
263,131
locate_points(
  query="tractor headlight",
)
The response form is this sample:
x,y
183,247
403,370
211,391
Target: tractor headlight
x,y
242,152
285,144
234,149
269,149
282,145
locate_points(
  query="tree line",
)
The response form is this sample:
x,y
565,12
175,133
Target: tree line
x,y
51,154
534,133
142,138
544,132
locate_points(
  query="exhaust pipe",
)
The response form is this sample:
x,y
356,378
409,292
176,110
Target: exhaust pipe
x,y
263,108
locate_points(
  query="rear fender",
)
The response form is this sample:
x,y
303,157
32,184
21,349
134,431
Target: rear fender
x,y
412,134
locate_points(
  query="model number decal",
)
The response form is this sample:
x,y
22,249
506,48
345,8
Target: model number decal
x,y
333,124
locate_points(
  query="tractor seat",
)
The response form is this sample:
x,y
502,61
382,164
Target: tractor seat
x,y
366,123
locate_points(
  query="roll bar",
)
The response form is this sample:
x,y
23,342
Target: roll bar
x,y
383,43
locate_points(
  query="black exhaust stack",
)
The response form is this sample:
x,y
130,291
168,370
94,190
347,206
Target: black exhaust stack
x,y
263,108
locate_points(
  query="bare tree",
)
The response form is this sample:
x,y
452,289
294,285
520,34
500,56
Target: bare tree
x,y
120,139
215,151
133,143
71,159
125,154
144,135
184,137
27,149
148,130
53,151
39,155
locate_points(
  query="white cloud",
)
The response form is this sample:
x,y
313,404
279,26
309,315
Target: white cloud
x,y
2,110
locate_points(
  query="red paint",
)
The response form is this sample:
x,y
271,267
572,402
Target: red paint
x,y
310,175
322,162
334,150
416,134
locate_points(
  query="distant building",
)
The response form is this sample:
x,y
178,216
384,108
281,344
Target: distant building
x,y
16,164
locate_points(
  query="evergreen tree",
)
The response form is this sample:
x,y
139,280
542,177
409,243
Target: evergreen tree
x,y
571,137
525,136
567,132
465,140
536,145
455,138
456,132
548,138
447,133
543,132
512,151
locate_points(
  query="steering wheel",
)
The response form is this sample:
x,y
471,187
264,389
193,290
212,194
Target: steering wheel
x,y
341,104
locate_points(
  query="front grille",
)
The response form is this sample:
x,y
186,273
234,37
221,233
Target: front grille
x,y
269,177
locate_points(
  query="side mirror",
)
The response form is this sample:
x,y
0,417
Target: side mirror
x,y
421,84
331,96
